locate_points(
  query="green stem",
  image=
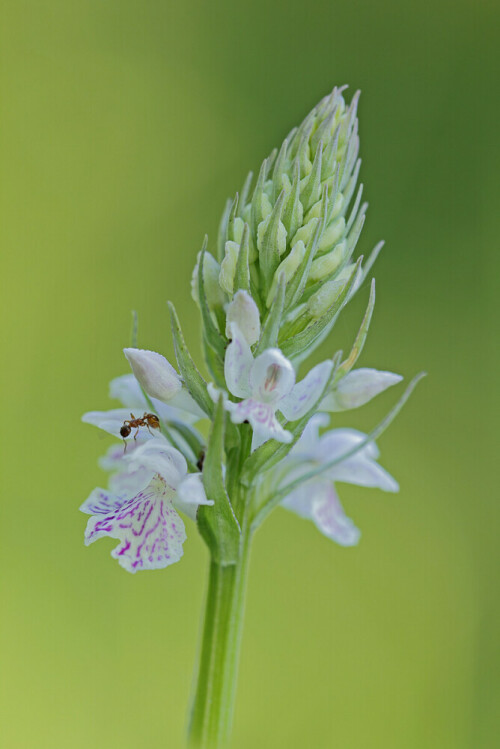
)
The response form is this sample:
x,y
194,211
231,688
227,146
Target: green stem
x,y
212,708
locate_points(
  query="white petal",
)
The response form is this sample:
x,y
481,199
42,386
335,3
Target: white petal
x,y
158,456
129,482
263,420
101,502
307,445
244,312
237,363
300,501
112,460
111,421
336,442
191,490
181,407
191,494
215,393
127,390
156,375
306,393
272,376
361,469
358,387
150,530
330,518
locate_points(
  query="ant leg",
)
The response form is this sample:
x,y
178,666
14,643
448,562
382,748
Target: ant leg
x,y
135,435
125,446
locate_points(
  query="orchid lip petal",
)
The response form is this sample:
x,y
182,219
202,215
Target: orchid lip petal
x,y
150,531
329,517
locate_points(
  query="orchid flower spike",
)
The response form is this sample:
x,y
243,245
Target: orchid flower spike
x,y
267,384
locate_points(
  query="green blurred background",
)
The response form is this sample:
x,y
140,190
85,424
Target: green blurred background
x,y
125,125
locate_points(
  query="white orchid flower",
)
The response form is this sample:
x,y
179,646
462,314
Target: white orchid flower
x,y
267,384
357,388
317,499
140,509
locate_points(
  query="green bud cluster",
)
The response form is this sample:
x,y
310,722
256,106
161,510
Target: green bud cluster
x,y
297,228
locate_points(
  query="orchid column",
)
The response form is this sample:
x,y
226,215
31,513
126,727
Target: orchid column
x,y
269,293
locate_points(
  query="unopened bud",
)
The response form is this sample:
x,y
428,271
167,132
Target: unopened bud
x,y
244,312
332,234
154,373
211,270
281,235
228,267
288,266
326,264
323,299
305,233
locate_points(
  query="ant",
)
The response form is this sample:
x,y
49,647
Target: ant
x,y
148,420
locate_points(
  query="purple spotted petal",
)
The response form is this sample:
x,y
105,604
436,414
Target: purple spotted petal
x,y
102,502
150,531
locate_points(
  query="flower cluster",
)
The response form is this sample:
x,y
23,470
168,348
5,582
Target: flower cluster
x,y
269,294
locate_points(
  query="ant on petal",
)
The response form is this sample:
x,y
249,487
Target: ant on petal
x,y
150,421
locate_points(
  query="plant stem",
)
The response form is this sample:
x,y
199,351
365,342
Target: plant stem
x,y
213,703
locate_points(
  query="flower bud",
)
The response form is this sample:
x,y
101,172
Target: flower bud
x,y
357,388
326,264
211,270
281,235
228,266
244,312
323,299
237,236
305,233
154,373
288,266
332,234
